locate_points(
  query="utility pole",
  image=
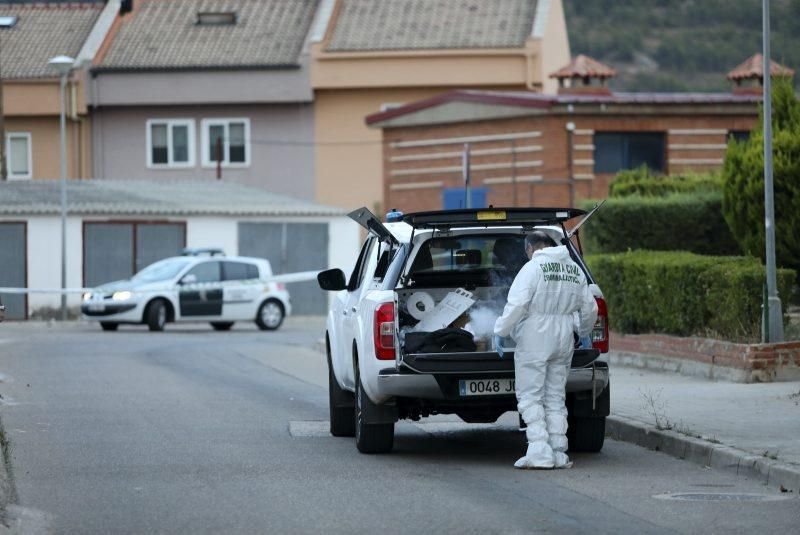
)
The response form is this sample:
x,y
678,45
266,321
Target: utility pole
x,y
514,170
3,163
774,317
219,158
570,126
466,172
62,65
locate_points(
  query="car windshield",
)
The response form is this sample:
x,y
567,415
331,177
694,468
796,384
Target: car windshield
x,y
162,270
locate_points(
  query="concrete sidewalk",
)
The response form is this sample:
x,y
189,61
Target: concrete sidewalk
x,y
751,428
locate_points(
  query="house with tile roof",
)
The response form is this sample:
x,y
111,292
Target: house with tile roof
x,y
368,56
206,90
30,35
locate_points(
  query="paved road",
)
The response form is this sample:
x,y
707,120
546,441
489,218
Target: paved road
x,y
194,431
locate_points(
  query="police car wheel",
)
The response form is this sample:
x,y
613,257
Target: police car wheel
x,y
270,315
222,325
108,326
156,315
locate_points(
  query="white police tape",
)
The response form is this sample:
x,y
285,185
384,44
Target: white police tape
x,y
302,276
44,290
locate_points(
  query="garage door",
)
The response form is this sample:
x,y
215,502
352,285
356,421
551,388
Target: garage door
x,y
114,251
12,267
291,247
155,241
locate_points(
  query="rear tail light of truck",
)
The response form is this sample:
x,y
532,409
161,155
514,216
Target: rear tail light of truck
x,y
600,331
384,332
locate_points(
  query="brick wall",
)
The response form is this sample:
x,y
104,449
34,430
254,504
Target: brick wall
x,y
420,161
762,362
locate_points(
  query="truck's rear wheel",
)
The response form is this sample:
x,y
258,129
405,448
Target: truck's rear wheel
x,y
586,423
586,434
370,438
341,403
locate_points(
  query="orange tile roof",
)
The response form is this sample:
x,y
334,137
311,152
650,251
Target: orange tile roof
x,y
753,67
582,66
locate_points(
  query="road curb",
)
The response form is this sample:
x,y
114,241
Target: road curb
x,y
771,472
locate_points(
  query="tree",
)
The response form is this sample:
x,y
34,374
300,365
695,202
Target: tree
x,y
743,182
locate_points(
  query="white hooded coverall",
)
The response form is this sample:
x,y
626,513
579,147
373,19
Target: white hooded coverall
x,y
540,317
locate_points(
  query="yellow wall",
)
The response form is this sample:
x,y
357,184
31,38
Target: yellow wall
x,y
555,52
34,107
45,145
459,68
348,87
350,174
40,97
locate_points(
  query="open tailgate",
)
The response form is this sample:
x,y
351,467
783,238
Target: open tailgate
x,y
369,221
491,217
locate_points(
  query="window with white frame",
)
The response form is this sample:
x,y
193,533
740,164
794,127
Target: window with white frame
x,y
226,141
170,142
18,155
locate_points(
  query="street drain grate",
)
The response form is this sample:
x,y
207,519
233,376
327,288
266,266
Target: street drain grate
x,y
309,428
719,497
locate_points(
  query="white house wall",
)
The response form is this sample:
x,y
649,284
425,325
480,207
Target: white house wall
x,y
344,244
44,260
222,232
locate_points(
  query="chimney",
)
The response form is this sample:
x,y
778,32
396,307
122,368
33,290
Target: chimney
x,y
584,76
748,77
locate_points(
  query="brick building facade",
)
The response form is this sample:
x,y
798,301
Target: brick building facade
x,y
529,149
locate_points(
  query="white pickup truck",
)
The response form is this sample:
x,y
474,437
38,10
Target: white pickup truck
x,y
374,381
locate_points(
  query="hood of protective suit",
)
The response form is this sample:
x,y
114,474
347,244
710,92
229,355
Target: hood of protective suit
x,y
559,252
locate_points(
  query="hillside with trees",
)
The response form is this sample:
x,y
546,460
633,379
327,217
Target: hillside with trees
x,y
679,45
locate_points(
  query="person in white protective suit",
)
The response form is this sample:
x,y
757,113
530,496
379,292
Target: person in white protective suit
x,y
540,317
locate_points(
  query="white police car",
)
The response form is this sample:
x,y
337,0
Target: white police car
x,y
201,285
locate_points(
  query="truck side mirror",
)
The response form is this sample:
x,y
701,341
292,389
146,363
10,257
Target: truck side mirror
x,y
332,280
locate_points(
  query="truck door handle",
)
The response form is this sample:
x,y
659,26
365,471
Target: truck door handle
x,y
353,309
344,312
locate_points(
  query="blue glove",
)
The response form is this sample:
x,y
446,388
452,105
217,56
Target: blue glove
x,y
498,344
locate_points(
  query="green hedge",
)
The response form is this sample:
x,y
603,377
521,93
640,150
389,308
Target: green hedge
x,y
643,182
685,294
685,222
